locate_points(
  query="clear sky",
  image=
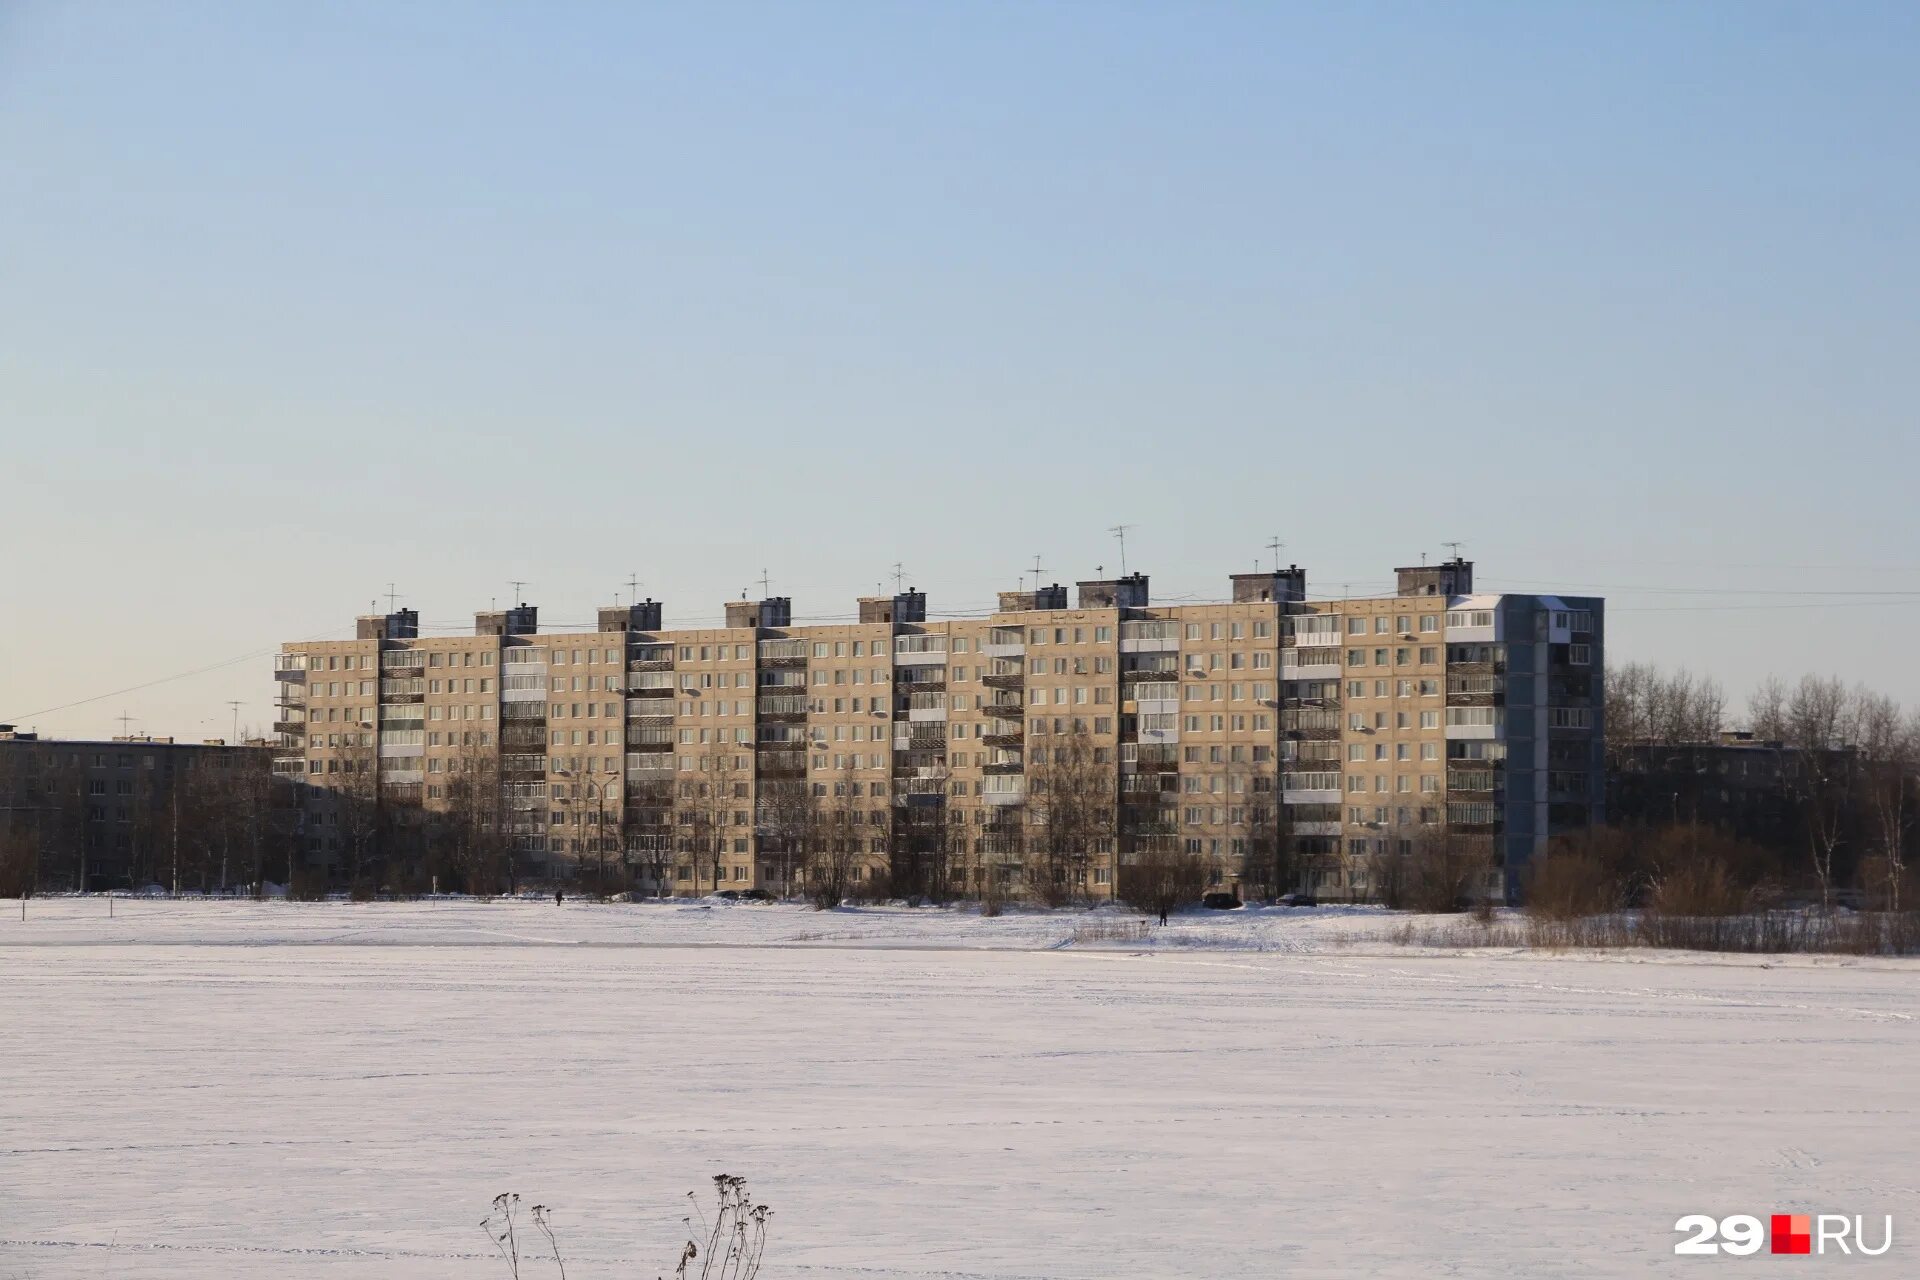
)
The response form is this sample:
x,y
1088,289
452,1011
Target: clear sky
x,y
296,300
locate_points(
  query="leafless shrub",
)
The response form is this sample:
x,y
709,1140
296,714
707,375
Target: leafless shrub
x,y
735,1241
1879,933
1703,888
1567,884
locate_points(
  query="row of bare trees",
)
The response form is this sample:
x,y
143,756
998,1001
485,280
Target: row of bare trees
x,y
1827,780
213,824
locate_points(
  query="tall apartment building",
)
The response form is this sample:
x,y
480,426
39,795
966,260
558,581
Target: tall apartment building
x,y
1314,737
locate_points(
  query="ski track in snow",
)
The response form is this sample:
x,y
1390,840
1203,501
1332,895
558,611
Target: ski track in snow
x,y
334,1090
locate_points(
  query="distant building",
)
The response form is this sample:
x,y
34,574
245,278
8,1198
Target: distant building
x,y
1738,783
101,814
1264,731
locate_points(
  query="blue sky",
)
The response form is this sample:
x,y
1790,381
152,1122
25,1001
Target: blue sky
x,y
297,300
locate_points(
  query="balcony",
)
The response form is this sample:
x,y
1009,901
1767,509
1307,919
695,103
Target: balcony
x,y
290,728
650,737
1005,642
1150,637
290,766
650,664
1310,724
1005,737
1004,680
292,675
781,764
919,651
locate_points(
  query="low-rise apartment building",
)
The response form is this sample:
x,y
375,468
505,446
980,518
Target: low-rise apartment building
x,y
96,815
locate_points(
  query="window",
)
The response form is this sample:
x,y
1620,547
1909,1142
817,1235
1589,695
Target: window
x,y
1580,655
1569,718
1470,618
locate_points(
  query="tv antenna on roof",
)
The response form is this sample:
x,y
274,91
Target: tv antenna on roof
x,y
519,589
1037,571
765,590
1120,531
899,576
1454,547
391,596
633,589
124,720
1275,547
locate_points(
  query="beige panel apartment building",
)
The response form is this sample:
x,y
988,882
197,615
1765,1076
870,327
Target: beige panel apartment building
x,y
1294,743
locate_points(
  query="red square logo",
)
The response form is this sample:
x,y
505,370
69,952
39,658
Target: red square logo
x,y
1792,1233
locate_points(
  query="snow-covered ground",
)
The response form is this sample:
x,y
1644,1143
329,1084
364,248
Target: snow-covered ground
x,y
920,1095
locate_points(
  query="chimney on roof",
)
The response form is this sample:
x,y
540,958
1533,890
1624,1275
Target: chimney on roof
x,y
642,615
401,624
773,612
1284,586
1048,597
521,620
1449,578
1129,592
903,606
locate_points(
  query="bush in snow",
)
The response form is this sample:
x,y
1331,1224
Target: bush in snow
x,y
735,1242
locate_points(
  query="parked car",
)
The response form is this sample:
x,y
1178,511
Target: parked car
x,y
1220,901
756,895
1297,900
727,895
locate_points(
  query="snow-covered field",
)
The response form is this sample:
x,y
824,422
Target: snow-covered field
x,y
236,1089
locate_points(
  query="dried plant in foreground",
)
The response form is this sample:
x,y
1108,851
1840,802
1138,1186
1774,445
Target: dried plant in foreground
x,y
737,1238
735,1243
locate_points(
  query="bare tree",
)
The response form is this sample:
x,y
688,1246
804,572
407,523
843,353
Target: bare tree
x,y
1161,878
1648,706
1820,721
1889,746
835,844
476,820
1766,709
356,798
706,813
1070,814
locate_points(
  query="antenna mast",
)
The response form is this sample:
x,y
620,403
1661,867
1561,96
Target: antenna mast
x,y
1120,531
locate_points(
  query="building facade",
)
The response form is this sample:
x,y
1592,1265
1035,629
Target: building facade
x,y
96,815
1291,743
